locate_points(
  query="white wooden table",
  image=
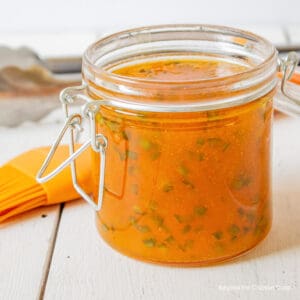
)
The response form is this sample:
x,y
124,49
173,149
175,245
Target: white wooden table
x,y
55,252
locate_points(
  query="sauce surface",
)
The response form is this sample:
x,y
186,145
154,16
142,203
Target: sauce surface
x,y
180,70
186,188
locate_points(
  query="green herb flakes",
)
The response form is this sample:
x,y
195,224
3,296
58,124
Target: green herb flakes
x,y
132,220
183,218
158,220
135,189
127,154
225,146
99,119
187,245
198,229
142,228
131,155
170,239
219,247
246,229
124,135
168,188
145,144
241,211
153,205
155,155
200,141
150,243
250,216
241,181
162,246
186,229
234,230
218,235
104,227
218,143
137,210
261,226
112,125
212,115
183,170
201,156
132,169
240,134
151,147
188,183
255,199
180,219
200,210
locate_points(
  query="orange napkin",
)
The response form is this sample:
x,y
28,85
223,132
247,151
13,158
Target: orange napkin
x,y
19,190
295,78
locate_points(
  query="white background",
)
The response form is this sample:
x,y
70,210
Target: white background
x,y
83,15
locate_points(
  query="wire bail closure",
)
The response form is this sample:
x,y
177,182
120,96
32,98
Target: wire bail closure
x,y
287,66
98,142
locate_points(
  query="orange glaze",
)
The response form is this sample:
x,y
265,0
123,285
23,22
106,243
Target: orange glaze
x,y
186,188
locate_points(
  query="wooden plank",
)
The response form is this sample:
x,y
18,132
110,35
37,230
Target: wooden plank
x,y
25,246
84,267
26,241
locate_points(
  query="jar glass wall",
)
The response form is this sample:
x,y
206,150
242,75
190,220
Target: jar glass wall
x,y
187,176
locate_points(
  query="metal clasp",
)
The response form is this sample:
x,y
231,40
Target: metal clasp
x,y
98,142
287,66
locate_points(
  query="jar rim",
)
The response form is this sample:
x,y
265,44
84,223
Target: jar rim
x,y
89,66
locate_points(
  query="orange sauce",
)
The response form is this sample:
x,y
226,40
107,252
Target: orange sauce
x,y
186,188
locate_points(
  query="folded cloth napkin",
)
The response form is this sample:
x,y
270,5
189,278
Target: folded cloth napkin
x,y
19,190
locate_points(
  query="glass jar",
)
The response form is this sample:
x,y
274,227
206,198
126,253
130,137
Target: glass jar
x,y
181,169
